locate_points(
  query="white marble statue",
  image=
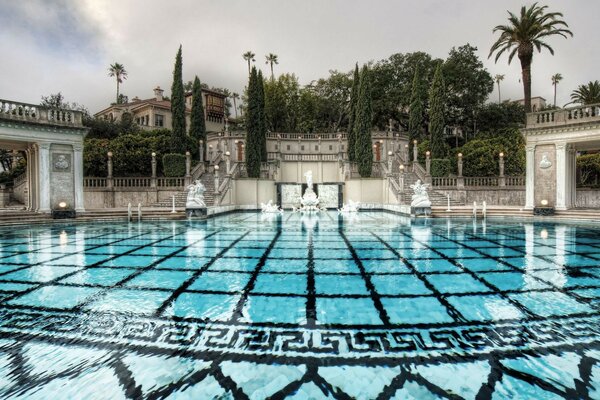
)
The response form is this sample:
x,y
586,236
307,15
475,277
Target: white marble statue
x,y
350,207
309,201
420,199
270,207
195,196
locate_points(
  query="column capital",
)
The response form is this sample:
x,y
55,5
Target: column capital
x,y
77,147
530,147
561,146
45,146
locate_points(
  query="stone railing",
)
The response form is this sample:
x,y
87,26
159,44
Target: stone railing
x,y
564,116
24,112
452,182
134,183
302,157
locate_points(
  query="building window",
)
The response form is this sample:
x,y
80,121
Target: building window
x,y
288,147
159,120
276,147
302,147
316,147
330,147
342,147
147,120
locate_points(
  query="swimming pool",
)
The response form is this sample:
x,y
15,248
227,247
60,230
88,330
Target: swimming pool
x,y
371,305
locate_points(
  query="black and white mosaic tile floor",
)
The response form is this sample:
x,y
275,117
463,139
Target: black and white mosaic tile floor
x,y
309,307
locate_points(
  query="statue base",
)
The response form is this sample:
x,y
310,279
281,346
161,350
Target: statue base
x,y
543,211
420,211
196,212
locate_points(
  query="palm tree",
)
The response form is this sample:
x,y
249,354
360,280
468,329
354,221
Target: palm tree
x,y
587,94
555,79
235,96
249,56
526,33
118,71
498,78
271,59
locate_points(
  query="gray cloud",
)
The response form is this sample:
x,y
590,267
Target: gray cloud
x,y
67,45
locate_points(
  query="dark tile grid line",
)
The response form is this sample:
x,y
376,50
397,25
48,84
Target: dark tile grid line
x,y
187,283
551,284
311,299
494,289
25,266
139,271
238,310
450,309
367,279
105,289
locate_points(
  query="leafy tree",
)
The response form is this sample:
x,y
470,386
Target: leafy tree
x,y
178,142
587,94
117,71
352,115
197,122
467,86
499,78
555,79
494,117
253,127
235,96
57,100
416,110
527,32
272,59
332,105
436,115
281,103
262,123
249,56
480,156
362,127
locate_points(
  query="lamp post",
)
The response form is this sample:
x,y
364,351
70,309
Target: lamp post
x,y
216,179
153,181
428,162
227,163
389,161
501,177
109,167
405,155
460,181
415,151
188,168
201,149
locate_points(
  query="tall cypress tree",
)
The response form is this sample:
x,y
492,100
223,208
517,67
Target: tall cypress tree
x,y
415,114
253,127
352,117
178,139
436,114
197,124
362,127
262,132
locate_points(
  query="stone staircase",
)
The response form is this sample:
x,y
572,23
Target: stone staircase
x,y
207,179
438,198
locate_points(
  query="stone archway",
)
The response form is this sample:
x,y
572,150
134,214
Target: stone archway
x,y
53,142
552,141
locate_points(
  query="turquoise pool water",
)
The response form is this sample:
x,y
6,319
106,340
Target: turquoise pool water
x,y
367,306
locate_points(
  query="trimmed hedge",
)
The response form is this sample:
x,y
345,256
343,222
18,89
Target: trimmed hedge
x,y
174,164
132,153
441,167
588,167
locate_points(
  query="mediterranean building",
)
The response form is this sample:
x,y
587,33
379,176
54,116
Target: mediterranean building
x,y
155,112
538,103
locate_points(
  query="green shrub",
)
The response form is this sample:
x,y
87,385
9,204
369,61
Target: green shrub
x,y
94,157
588,167
174,164
480,156
441,167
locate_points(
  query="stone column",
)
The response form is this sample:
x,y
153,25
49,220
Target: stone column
x,y
530,177
201,148
109,167
561,176
460,180
216,180
227,163
572,188
405,155
401,178
153,181
415,151
188,168
428,162
78,177
44,177
30,190
501,177
389,161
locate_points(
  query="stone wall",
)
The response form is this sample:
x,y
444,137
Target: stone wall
x,y
252,192
492,196
588,198
61,176
545,178
323,171
106,198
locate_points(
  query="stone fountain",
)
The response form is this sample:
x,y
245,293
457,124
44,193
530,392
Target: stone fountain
x,y
309,201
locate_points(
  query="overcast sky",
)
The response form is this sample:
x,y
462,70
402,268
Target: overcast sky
x,y
67,45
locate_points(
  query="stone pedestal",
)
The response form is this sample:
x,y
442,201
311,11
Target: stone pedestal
x,y
420,211
196,212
